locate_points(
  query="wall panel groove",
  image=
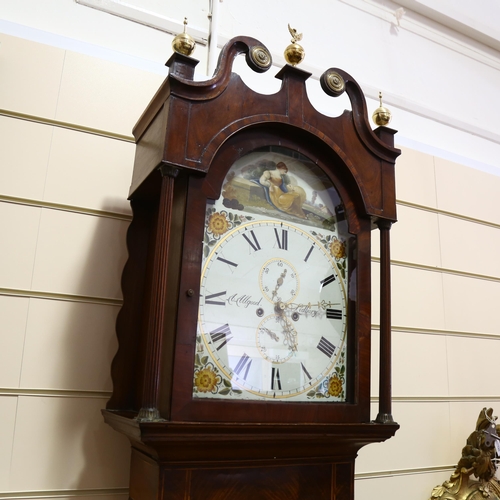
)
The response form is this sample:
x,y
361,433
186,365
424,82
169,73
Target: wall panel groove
x,y
54,393
447,213
13,292
404,472
62,124
65,208
428,331
111,492
443,270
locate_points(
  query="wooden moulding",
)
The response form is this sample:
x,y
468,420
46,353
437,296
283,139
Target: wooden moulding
x,y
227,444
187,139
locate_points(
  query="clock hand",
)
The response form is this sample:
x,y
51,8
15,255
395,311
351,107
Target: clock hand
x,y
270,333
279,282
321,305
290,339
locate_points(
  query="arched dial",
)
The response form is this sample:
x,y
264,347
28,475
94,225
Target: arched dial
x,y
272,313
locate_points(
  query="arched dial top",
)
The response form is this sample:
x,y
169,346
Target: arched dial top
x,y
272,316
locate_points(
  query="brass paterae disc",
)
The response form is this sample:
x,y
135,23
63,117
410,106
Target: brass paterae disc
x,y
333,83
261,57
184,43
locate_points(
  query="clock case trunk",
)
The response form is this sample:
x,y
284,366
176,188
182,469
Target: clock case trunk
x,y
187,139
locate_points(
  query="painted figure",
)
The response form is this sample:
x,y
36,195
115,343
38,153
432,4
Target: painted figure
x,y
282,194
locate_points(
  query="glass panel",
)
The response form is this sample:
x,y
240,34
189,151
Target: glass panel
x,y
274,290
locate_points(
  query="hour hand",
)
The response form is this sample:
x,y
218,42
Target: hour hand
x,y
270,333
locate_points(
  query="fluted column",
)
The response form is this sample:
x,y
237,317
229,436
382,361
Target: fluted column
x,y
385,385
150,394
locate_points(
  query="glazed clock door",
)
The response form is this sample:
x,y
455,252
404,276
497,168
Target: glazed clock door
x,y
272,318
244,359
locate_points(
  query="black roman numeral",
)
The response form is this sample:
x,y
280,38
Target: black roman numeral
x,y
309,253
254,244
244,362
275,379
326,347
221,335
208,299
306,373
228,262
328,280
334,314
283,239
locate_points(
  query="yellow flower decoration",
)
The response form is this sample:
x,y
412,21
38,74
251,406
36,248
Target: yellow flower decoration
x,y
218,224
335,386
206,380
337,248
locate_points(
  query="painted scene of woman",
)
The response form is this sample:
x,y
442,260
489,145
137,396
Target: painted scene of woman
x,y
282,194
274,184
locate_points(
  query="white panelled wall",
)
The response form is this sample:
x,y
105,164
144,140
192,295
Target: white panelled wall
x,y
74,80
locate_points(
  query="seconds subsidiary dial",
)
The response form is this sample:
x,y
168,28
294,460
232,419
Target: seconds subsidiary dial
x,y
272,317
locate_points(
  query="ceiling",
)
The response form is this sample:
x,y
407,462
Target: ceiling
x,y
478,19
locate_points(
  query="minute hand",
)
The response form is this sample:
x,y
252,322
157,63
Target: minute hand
x,y
320,305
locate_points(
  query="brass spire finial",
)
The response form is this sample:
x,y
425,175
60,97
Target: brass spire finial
x,y
294,53
381,116
184,42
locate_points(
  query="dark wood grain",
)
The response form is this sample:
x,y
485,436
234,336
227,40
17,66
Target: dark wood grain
x,y
126,368
221,449
248,461
385,406
156,313
307,482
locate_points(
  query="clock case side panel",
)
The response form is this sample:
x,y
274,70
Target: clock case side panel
x,y
184,407
129,366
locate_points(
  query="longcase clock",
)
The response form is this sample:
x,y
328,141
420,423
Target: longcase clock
x,y
243,368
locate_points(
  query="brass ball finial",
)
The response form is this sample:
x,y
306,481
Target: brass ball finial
x,y
184,43
294,53
381,116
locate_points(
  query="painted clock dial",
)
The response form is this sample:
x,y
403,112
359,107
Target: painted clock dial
x,y
272,321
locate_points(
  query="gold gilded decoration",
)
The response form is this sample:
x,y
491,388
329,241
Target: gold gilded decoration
x,y
479,459
218,223
331,387
184,43
335,82
381,116
335,386
261,57
294,53
206,380
337,249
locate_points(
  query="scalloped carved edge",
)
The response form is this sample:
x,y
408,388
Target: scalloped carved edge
x,y
257,56
334,82
132,282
